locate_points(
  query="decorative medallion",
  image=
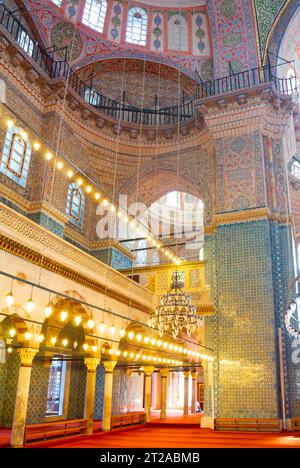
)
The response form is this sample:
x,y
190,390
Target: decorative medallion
x,y
66,35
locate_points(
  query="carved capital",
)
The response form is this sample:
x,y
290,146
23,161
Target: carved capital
x,y
109,366
194,374
27,356
148,370
164,373
186,374
92,364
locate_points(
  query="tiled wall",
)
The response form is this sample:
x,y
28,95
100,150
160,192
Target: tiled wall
x,y
244,329
77,390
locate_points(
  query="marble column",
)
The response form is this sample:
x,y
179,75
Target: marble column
x,y
91,364
19,420
148,387
108,387
194,390
186,393
164,384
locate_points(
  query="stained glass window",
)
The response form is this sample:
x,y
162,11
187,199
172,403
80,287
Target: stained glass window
x,y
136,28
94,14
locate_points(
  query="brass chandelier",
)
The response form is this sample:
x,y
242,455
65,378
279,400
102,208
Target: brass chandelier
x,y
175,313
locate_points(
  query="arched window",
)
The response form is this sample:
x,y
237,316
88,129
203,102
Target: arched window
x,y
25,41
136,28
94,14
75,205
16,155
295,169
57,2
178,33
292,81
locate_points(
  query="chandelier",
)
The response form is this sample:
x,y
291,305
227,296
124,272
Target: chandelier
x,y
175,313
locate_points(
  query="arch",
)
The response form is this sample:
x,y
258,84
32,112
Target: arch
x,y
134,54
94,14
165,180
15,319
136,26
16,155
75,204
279,29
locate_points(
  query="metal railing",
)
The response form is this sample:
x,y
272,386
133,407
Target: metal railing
x,y
60,69
247,79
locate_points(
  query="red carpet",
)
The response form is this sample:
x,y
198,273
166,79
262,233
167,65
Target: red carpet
x,y
170,437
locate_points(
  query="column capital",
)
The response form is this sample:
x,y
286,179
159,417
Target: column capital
x,y
109,366
164,372
92,364
194,374
148,371
186,374
27,355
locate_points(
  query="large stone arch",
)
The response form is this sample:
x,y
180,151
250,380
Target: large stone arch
x,y
193,174
279,29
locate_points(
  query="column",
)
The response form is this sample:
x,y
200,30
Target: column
x,y
108,386
91,364
148,387
194,390
164,381
20,413
186,393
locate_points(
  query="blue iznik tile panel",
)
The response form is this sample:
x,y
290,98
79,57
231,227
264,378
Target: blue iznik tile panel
x,y
244,330
77,390
99,393
284,274
37,401
211,324
10,381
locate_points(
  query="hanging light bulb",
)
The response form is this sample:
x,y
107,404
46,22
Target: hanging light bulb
x,y
122,332
75,344
60,165
153,341
36,146
28,336
30,305
97,196
10,123
112,330
63,315
9,299
130,335
48,310
53,340
41,338
49,156
9,350
70,174
146,340
77,320
91,324
89,189
65,342
12,332
79,182
94,348
125,354
85,346
102,327
159,343
139,337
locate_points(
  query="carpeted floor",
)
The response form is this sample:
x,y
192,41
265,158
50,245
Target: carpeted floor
x,y
177,437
